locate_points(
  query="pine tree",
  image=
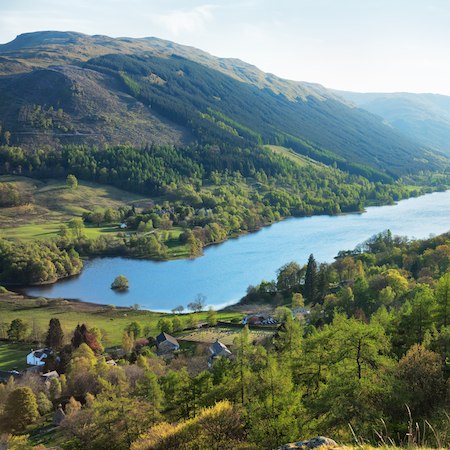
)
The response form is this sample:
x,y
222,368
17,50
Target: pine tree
x,y
78,335
149,389
17,330
276,407
243,351
442,294
310,288
55,335
322,282
423,306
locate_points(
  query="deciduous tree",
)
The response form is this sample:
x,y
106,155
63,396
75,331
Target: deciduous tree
x,y
71,181
21,409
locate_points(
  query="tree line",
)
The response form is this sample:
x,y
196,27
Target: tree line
x,y
211,192
36,262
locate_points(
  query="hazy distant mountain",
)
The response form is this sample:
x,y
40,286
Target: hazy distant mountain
x,y
423,117
60,88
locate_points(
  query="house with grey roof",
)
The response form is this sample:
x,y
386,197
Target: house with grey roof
x,y
165,343
47,377
219,349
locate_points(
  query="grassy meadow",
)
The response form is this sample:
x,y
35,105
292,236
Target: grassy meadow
x,y
36,313
295,157
52,203
13,356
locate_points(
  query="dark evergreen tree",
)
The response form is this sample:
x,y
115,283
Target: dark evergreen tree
x,y
310,288
17,330
78,337
82,335
55,335
322,282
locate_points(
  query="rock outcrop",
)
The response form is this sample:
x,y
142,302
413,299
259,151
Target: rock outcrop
x,y
316,442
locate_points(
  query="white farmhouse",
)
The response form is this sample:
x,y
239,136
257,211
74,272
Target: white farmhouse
x,y
37,357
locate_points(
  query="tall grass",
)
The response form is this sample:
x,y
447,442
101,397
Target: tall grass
x,y
418,436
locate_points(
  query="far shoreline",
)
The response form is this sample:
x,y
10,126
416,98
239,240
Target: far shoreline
x,y
22,289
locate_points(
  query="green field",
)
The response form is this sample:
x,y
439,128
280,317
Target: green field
x,y
50,230
51,202
290,154
177,250
37,313
111,322
13,356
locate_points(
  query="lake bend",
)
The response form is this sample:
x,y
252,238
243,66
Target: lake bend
x,y
226,270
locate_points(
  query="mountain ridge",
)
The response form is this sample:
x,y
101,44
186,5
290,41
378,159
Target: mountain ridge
x,y
241,70
186,94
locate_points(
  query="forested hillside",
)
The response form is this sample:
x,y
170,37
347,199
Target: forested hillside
x,y
149,91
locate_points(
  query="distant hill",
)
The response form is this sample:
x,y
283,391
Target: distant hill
x,y
41,49
65,87
423,117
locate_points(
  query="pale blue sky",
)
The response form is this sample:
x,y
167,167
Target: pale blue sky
x,y
360,45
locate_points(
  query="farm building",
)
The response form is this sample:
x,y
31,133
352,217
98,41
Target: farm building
x,y
219,349
38,357
165,343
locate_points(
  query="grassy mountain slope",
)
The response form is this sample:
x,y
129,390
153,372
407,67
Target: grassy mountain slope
x,y
67,105
50,201
41,49
149,90
424,117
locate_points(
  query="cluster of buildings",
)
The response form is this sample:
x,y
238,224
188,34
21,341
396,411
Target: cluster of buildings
x,y
267,319
167,344
259,319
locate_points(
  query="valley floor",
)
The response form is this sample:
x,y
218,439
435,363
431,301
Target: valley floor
x,y
36,312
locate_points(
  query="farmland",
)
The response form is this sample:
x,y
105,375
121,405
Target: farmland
x,y
224,334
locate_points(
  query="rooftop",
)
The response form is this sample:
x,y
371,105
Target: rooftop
x,y
166,337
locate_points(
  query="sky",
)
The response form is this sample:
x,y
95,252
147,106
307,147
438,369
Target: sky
x,y
357,45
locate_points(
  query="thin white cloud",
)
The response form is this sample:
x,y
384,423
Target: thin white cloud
x,y
182,21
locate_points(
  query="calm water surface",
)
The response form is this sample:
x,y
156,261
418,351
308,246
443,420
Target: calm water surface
x,y
225,271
